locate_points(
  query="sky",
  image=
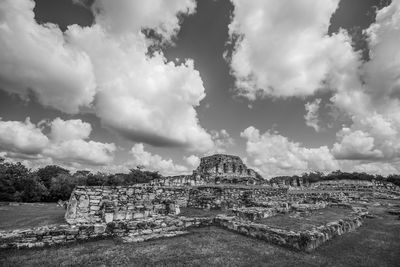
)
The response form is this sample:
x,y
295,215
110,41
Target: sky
x,y
289,86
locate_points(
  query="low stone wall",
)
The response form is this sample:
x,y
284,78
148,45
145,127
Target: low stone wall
x,y
344,185
314,196
226,197
271,209
134,231
254,213
298,240
181,180
51,235
309,207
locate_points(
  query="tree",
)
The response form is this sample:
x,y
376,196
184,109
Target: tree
x,y
97,179
47,173
139,176
33,189
11,180
62,186
394,178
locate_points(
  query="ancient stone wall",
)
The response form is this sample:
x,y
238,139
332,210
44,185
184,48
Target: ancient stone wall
x,y
344,185
215,197
106,204
289,181
306,240
215,169
222,168
181,180
129,231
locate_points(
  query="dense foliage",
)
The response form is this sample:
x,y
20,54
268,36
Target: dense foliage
x,y
51,183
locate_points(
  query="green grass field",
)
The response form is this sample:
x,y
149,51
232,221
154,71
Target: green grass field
x,y
306,221
376,243
28,215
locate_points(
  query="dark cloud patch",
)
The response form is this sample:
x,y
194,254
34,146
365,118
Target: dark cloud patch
x,y
356,16
62,13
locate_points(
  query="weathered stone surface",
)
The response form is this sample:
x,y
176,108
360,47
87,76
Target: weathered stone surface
x,y
215,169
142,201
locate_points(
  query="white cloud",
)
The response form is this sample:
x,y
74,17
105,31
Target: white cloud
x,y
22,137
311,116
355,145
154,162
81,151
283,48
222,140
381,168
27,142
192,161
40,58
373,105
69,130
274,154
132,16
143,98
382,71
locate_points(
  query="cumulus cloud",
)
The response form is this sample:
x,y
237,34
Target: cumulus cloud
x,y
355,145
132,16
41,59
144,98
283,57
274,154
81,151
311,116
69,130
22,137
382,71
155,162
282,48
222,140
381,168
27,142
192,160
374,106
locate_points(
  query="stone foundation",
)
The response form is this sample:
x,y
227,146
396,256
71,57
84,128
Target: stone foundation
x,y
135,230
298,240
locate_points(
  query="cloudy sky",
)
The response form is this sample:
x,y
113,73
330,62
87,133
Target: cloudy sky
x,y
290,86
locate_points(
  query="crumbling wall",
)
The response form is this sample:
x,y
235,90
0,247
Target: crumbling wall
x,y
344,185
180,180
222,168
130,231
106,204
306,240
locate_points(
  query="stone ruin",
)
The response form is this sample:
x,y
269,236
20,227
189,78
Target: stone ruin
x,y
216,169
241,198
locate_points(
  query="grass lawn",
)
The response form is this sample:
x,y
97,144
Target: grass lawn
x,y
376,243
26,215
306,221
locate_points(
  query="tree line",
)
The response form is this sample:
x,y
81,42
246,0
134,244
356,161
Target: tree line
x,y
53,183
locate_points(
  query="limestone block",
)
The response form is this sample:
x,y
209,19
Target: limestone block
x,y
138,215
108,217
